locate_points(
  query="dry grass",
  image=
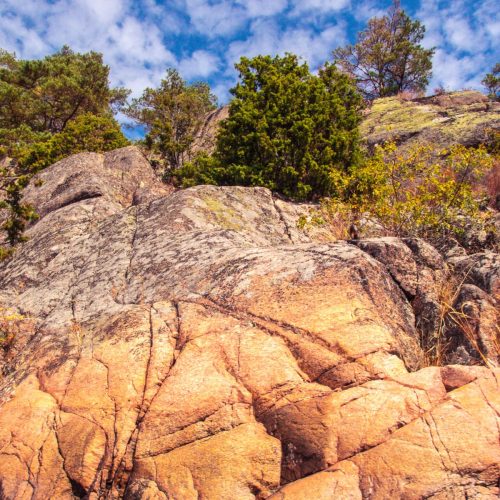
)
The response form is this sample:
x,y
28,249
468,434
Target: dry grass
x,y
467,327
408,95
492,182
338,223
437,347
334,218
77,333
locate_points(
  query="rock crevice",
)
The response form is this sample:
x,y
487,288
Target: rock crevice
x,y
196,344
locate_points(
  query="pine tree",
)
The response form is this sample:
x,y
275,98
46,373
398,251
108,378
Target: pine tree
x,y
492,82
388,57
50,108
172,115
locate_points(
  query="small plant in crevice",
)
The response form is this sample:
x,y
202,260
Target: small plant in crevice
x,y
435,345
334,216
77,333
439,347
15,330
10,325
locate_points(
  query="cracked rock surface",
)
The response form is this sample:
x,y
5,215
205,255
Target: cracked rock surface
x,y
195,345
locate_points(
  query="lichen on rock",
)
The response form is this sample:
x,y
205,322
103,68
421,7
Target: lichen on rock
x,y
194,344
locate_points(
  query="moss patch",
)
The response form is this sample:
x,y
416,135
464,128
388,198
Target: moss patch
x,y
458,117
224,216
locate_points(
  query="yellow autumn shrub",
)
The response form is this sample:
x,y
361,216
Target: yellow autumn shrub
x,y
10,323
419,191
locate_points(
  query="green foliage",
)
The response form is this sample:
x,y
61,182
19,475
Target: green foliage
x,y
492,82
172,115
419,192
35,151
88,132
49,109
287,130
46,94
388,58
204,169
19,213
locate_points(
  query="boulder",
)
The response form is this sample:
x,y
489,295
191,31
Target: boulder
x,y
474,327
466,117
420,272
425,458
480,269
192,345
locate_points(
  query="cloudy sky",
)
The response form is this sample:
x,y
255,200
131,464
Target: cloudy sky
x,y
203,38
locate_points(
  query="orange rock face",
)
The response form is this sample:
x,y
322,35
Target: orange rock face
x,y
192,346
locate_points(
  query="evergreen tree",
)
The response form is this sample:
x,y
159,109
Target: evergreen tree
x,y
288,130
50,108
387,57
172,115
492,82
47,93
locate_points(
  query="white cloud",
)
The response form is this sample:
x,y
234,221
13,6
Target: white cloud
x,y
16,37
453,72
105,12
260,8
466,34
367,9
200,64
203,38
221,90
219,18
133,47
488,17
319,6
459,33
266,37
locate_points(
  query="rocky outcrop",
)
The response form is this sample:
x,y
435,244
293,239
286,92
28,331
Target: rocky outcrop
x,y
195,344
420,271
474,329
206,137
466,117
481,269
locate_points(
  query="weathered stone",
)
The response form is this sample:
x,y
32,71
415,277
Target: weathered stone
x,y
474,324
193,345
480,269
434,456
420,272
206,137
464,117
455,118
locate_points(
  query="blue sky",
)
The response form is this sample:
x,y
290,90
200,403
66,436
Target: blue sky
x,y
204,38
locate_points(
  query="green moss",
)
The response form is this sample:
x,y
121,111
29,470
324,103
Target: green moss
x,y
392,115
455,121
224,216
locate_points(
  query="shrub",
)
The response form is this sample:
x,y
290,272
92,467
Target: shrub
x,y
288,130
46,94
10,324
34,151
87,132
418,192
50,108
492,82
